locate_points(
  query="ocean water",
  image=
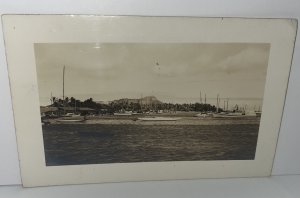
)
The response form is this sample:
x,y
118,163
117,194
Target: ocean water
x,y
72,144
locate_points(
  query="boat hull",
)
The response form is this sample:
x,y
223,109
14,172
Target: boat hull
x,y
159,119
69,121
122,114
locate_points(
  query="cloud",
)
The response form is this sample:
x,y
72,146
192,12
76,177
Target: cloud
x,y
251,59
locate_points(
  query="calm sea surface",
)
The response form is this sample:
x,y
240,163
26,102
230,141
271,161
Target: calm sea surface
x,y
71,144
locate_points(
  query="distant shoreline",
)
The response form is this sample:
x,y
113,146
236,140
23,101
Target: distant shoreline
x,y
184,120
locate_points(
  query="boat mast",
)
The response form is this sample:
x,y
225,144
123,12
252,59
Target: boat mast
x,y
51,98
64,89
141,103
64,83
200,98
227,104
217,103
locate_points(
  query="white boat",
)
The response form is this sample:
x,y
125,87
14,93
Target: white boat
x,y
234,114
123,113
70,120
72,115
202,115
250,113
136,113
159,119
218,115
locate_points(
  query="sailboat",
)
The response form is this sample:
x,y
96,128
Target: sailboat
x,y
69,117
202,114
217,114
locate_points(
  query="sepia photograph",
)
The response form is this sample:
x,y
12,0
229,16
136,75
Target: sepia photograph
x,y
150,102
131,98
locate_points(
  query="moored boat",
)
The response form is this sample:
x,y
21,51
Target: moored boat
x,y
201,115
126,113
71,115
70,120
159,119
234,114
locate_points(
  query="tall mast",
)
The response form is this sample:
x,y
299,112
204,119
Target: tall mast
x,y
200,98
141,102
218,103
205,99
227,104
64,83
64,89
51,98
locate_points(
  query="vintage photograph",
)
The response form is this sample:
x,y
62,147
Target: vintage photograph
x,y
150,102
130,98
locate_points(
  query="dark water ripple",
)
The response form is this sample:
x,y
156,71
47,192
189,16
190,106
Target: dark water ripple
x,y
69,144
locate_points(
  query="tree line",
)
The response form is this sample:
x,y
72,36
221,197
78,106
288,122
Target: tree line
x,y
117,106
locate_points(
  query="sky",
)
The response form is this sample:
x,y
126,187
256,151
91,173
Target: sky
x,y
173,72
